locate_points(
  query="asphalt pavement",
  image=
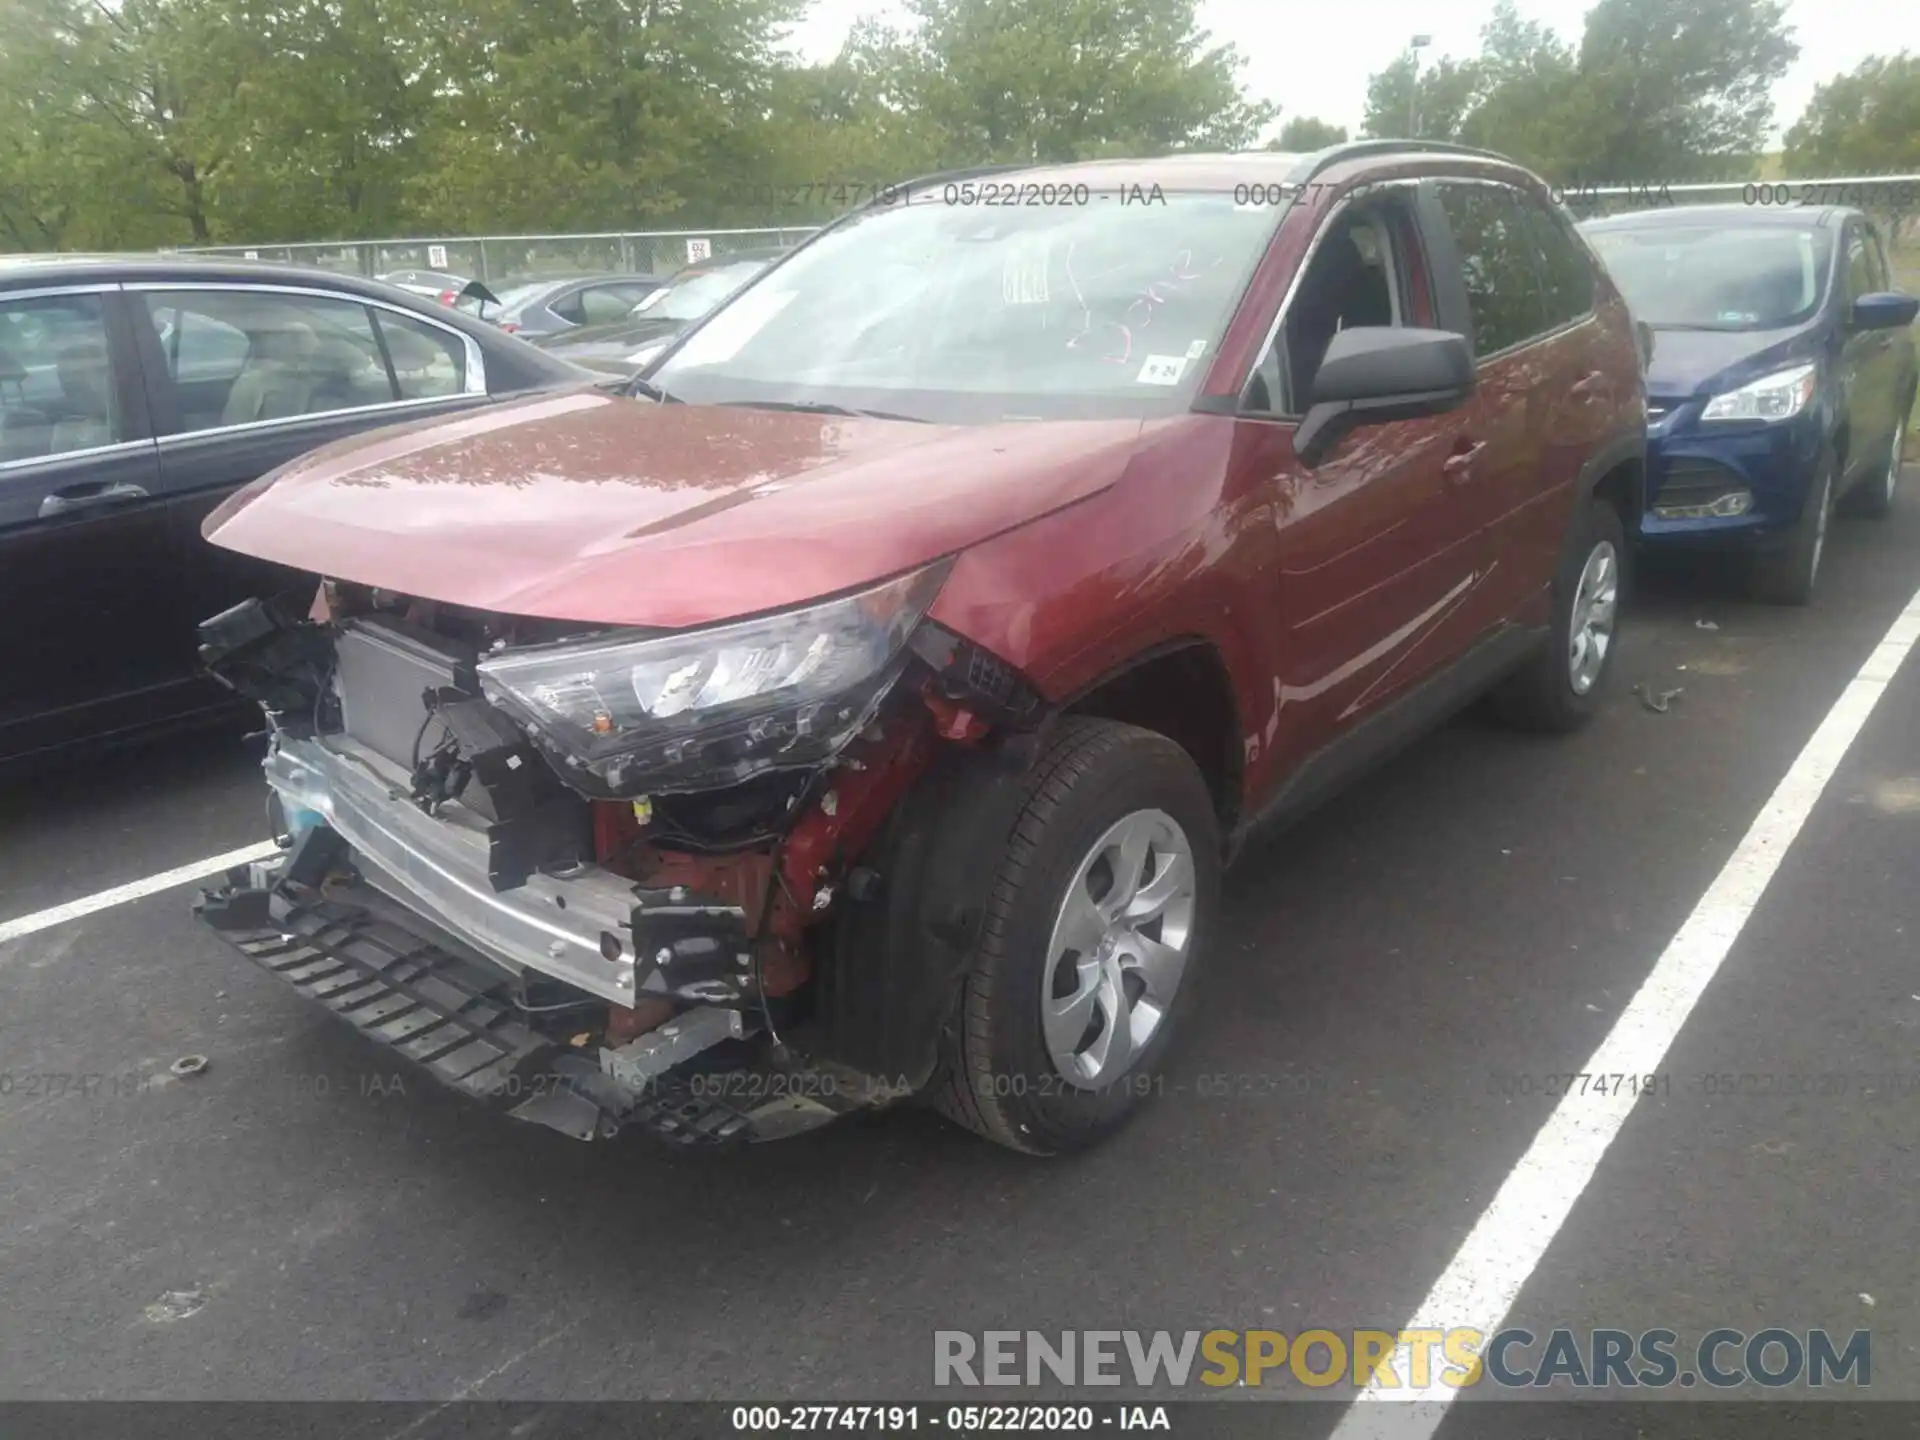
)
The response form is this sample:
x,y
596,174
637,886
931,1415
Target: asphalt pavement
x,y
1403,983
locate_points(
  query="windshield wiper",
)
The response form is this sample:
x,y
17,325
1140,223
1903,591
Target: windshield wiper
x,y
821,407
650,391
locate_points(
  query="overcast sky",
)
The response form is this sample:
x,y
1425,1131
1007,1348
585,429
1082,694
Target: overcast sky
x,y
1314,59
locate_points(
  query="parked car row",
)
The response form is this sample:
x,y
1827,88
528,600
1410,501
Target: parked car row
x,y
856,694
135,395
626,344
596,307
1782,375
559,304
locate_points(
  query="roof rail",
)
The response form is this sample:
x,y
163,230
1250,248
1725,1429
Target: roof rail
x,y
1313,164
883,194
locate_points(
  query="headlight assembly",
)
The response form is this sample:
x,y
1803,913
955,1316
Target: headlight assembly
x,y
699,708
1772,397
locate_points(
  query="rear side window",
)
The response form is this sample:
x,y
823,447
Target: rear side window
x,y
244,357
1860,279
1490,233
427,361
56,378
1566,275
1877,262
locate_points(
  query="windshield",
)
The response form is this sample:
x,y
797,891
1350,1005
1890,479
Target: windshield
x,y
962,312
691,296
1718,278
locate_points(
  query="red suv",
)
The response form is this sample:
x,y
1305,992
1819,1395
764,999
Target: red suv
x,y
863,704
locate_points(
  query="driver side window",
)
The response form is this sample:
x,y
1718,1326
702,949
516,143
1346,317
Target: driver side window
x,y
1355,276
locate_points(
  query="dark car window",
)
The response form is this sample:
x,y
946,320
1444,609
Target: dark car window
x,y
56,378
304,356
570,308
1703,275
1352,279
1860,277
1566,275
605,304
427,361
1877,259
1496,258
199,347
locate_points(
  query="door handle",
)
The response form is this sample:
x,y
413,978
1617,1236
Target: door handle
x,y
1458,467
1584,386
70,498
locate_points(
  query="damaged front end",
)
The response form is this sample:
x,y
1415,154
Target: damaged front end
x,y
711,884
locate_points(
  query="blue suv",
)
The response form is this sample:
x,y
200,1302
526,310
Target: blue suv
x,y
1782,372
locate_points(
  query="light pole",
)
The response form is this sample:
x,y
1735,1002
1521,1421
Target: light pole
x,y
1414,47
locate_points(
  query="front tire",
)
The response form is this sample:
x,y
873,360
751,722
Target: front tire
x,y
1787,577
1558,690
1103,901
1873,498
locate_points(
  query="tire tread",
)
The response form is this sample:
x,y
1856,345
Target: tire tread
x,y
1073,750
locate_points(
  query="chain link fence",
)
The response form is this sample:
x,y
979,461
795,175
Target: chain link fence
x,y
495,258
1893,201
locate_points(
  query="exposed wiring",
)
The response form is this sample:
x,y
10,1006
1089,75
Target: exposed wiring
x,y
774,878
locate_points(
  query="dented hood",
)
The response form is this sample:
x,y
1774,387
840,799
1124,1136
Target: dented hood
x,y
616,511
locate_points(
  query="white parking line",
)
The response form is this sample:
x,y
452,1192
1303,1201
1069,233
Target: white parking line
x,y
132,890
1480,1285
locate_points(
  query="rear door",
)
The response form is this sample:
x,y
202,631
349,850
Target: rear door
x,y
1530,380
244,378
86,565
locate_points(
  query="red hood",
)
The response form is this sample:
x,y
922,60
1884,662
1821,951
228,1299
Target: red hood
x,y
622,512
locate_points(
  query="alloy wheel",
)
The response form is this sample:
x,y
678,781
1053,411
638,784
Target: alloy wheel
x,y
1119,948
1596,603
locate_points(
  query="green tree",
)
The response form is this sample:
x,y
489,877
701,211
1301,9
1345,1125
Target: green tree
x,y
1529,96
147,92
557,114
1865,122
1433,108
1009,80
1304,134
1678,89
1656,90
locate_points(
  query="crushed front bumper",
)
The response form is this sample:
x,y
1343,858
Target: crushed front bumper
x,y
384,915
437,864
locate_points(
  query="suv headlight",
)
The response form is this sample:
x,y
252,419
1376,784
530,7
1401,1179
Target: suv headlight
x,y
698,708
1779,396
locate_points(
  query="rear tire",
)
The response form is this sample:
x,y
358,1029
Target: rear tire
x,y
1558,690
1788,576
1099,787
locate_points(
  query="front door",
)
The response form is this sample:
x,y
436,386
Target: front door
x,y
1377,556
1869,362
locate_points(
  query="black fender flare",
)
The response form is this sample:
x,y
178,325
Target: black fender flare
x,y
896,956
1629,449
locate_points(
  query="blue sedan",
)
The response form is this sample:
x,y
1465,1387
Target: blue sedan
x,y
1782,373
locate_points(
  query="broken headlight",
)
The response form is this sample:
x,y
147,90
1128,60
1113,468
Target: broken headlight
x,y
700,708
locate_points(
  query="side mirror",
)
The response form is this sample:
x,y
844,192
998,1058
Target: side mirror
x,y
1884,310
1375,373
